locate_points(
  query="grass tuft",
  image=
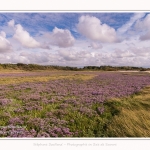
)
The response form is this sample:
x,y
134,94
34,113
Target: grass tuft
x,y
133,119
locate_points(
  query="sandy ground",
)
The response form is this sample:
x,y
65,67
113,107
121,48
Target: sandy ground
x,y
128,71
133,71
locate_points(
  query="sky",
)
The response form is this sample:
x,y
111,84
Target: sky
x,y
76,39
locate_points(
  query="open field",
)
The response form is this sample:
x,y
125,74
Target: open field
x,y
74,104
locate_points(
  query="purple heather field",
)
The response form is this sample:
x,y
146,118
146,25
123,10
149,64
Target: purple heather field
x,y
63,107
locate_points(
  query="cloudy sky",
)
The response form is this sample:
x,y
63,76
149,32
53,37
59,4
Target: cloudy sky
x,y
76,39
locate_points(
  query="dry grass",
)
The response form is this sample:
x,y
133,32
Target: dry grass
x,y
38,78
11,71
134,117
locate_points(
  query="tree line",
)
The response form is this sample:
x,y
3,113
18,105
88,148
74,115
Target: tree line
x,y
30,67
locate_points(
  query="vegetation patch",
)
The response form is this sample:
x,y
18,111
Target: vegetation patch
x,y
69,104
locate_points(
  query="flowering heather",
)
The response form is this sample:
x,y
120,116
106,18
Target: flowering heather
x,y
4,101
63,107
16,121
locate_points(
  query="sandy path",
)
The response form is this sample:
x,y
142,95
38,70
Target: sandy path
x,y
134,71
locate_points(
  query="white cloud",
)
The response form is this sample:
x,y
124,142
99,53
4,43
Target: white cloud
x,y
92,28
131,56
141,51
26,57
130,23
3,34
118,53
143,24
75,57
19,59
5,45
145,36
144,27
60,37
95,45
69,55
35,57
24,37
11,23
